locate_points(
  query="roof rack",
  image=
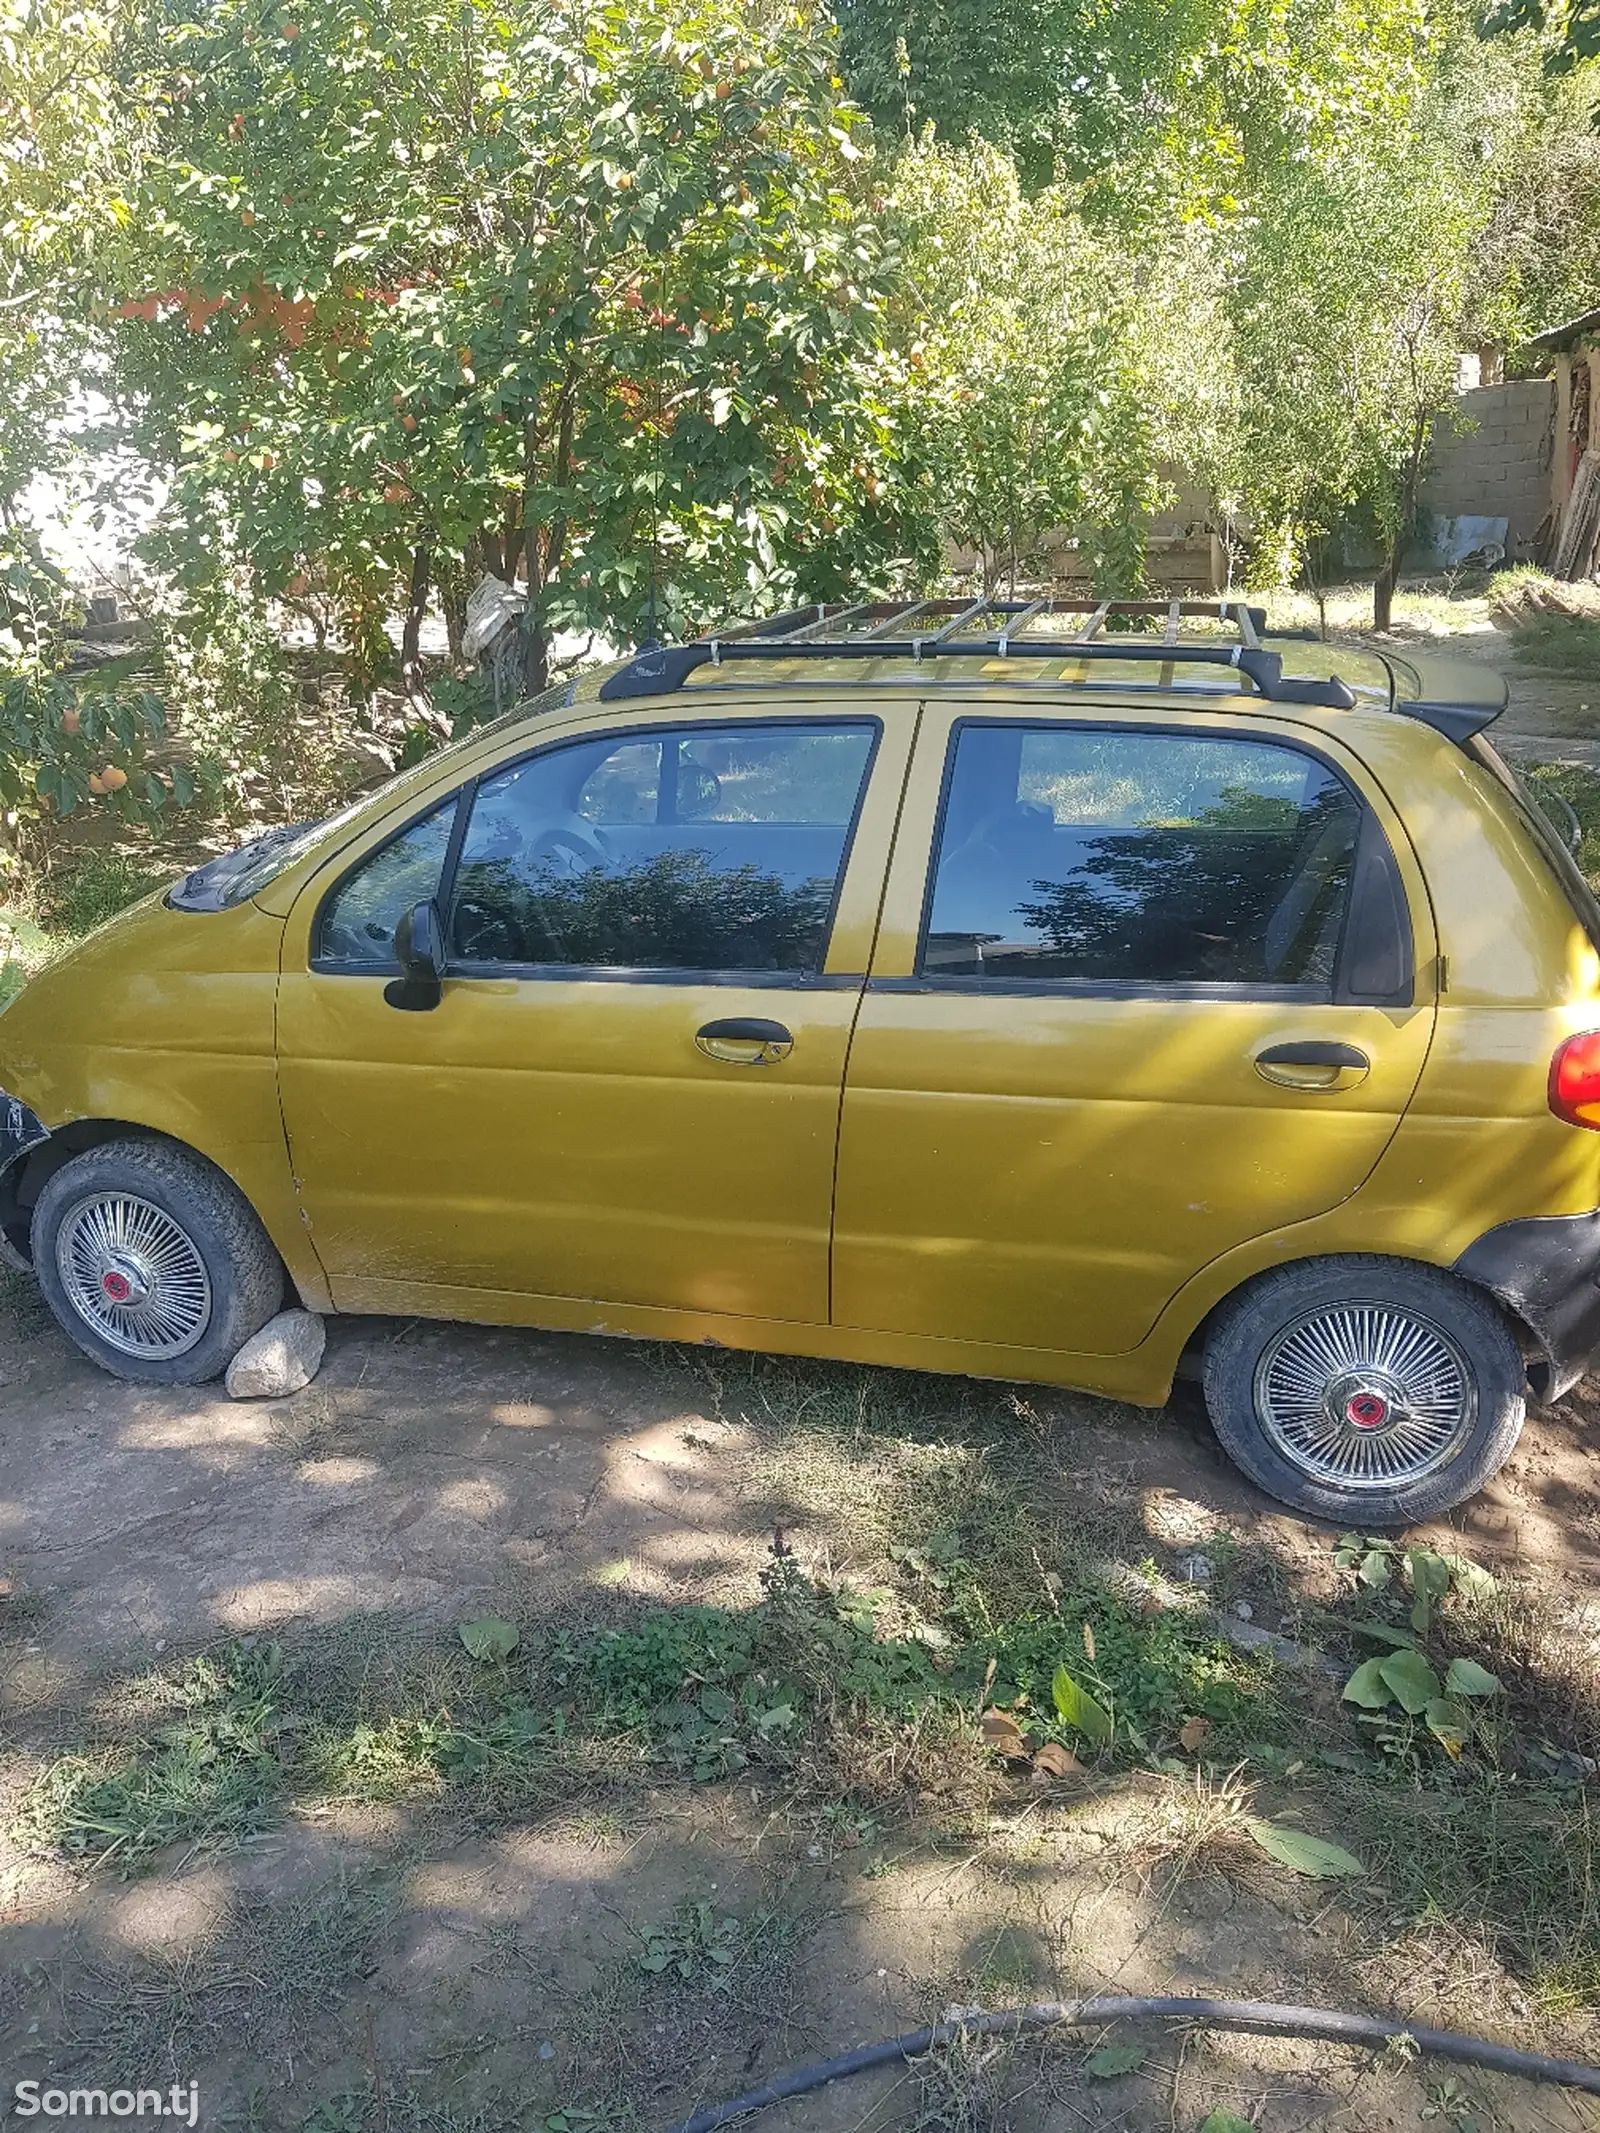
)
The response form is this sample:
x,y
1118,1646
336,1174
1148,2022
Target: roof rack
x,y
945,629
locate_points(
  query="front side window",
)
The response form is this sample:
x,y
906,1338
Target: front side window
x,y
698,849
1138,858
359,919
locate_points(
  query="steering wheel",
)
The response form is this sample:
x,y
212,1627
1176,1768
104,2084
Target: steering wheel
x,y
503,923
570,847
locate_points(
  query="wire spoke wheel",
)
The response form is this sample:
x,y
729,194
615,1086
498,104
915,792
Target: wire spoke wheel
x,y
133,1275
1365,1396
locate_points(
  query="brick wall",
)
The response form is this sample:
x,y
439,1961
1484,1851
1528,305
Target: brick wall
x,y
1494,460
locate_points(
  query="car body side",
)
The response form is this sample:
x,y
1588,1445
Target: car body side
x,y
165,1022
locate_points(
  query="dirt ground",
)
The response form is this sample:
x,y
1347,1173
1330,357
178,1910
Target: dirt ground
x,y
365,1962
362,1965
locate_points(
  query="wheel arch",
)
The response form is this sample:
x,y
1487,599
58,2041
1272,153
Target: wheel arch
x,y
1544,1377
22,1181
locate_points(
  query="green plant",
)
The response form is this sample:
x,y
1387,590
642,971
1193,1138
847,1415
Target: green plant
x,y
99,886
213,1774
695,1943
1400,1688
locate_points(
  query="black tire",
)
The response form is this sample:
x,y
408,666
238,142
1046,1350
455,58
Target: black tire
x,y
217,1231
1252,1390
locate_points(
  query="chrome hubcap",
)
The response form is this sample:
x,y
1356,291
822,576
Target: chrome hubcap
x,y
133,1275
1365,1395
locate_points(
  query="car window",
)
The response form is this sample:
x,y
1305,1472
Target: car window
x,y
1138,858
358,921
695,849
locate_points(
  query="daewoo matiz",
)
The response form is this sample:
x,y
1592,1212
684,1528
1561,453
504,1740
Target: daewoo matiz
x,y
1069,994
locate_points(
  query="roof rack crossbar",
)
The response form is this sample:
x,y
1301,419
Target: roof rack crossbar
x,y
825,621
1091,629
892,621
1174,617
1016,622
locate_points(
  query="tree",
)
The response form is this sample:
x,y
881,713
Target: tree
x,y
1018,328
65,152
593,296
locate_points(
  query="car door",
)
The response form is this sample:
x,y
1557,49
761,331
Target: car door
x,y
1143,991
657,936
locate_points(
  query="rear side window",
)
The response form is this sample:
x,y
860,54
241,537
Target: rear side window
x,y
696,849
1070,853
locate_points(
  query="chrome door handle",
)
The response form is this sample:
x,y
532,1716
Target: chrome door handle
x,y
745,1040
1313,1065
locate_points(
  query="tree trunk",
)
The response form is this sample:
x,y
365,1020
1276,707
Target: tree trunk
x,y
1406,524
1383,590
411,634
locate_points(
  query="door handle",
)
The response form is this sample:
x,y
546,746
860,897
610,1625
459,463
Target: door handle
x,y
1313,1065
745,1040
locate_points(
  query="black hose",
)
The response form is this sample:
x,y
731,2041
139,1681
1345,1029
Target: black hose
x,y
1258,2015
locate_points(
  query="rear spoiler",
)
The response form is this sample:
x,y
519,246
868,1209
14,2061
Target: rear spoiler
x,y
1457,697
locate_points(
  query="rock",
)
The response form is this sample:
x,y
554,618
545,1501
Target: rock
x,y
1250,1638
281,1358
1196,1568
1243,1610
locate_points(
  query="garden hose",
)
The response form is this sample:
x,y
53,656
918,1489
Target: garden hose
x,y
1258,2015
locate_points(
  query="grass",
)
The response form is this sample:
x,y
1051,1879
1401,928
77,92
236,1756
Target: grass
x,y
1553,624
63,907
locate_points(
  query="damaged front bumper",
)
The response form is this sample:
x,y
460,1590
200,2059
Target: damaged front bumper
x,y
1546,1270
21,1131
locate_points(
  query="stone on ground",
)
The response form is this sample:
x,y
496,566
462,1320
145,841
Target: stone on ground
x,y
281,1358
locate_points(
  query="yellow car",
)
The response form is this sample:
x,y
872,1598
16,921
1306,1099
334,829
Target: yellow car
x,y
1047,993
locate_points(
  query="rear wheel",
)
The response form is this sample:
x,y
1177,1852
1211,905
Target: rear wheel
x,y
153,1262
1371,1391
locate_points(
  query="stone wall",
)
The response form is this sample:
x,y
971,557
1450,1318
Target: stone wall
x,y
1493,461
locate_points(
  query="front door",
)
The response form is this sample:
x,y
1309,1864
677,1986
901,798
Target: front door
x,y
1142,994
657,938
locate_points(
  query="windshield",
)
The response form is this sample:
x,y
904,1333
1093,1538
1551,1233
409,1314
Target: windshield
x,y
223,882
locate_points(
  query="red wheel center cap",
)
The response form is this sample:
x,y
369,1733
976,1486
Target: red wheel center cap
x,y
1366,1410
116,1286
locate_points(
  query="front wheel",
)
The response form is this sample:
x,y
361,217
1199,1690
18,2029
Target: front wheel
x,y
1374,1392
153,1262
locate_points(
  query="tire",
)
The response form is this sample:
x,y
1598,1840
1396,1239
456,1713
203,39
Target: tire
x,y
1373,1392
198,1273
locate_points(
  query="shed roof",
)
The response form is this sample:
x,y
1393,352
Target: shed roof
x,y
1574,330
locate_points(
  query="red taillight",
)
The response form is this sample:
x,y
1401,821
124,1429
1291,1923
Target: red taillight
x,y
1575,1080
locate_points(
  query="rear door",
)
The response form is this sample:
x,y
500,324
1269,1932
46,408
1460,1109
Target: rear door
x,y
1142,993
629,1092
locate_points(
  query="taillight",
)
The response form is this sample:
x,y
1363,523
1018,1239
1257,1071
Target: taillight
x,y
1575,1080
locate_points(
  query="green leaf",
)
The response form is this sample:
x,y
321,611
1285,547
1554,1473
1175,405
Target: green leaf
x,y
1447,1722
1412,1680
1430,1581
1298,1849
1385,1633
1375,1571
1367,1686
1076,1707
1464,1677
1113,2059
717,1704
489,1638
1471,1578
1225,2122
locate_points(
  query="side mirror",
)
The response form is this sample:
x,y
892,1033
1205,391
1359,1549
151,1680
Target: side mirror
x,y
419,948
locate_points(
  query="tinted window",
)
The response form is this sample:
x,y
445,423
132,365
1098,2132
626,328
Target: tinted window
x,y
688,851
358,924
1139,858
